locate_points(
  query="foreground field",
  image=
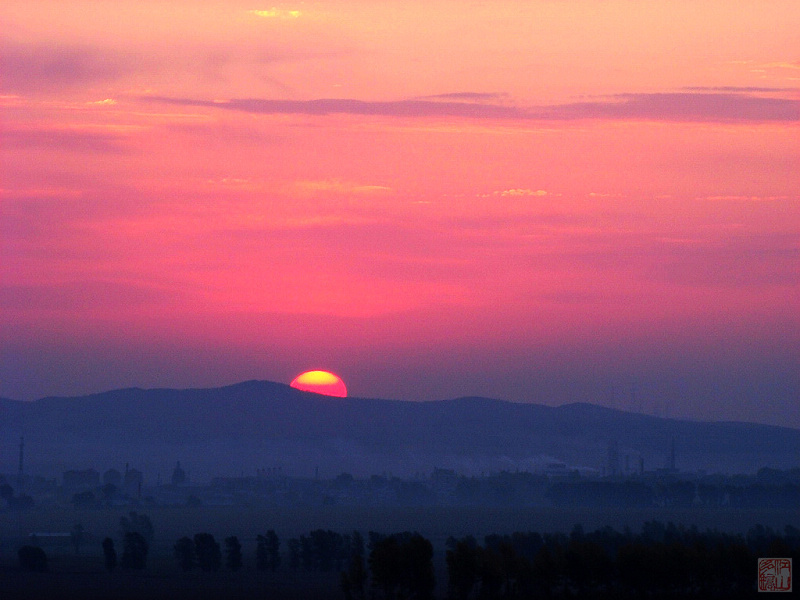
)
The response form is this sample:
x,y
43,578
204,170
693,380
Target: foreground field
x,y
436,523
84,576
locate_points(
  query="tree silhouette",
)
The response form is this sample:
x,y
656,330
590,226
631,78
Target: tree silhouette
x,y
587,564
140,524
462,568
273,548
109,554
32,558
418,576
77,537
545,569
346,586
184,553
262,554
233,551
402,563
307,553
134,551
268,551
294,554
209,555
357,570
491,569
385,565
354,579
663,561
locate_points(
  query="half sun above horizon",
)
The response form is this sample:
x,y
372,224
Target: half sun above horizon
x,y
320,382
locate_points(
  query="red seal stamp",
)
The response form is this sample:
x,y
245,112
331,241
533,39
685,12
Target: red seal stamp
x,y
774,574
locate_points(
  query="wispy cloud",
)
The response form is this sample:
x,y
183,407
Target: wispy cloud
x,y
517,193
731,198
760,66
340,187
276,13
104,102
603,195
677,107
466,96
738,89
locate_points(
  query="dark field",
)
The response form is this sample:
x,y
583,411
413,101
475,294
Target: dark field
x,y
435,523
84,576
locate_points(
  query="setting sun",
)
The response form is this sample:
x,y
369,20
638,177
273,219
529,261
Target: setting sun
x,y
320,382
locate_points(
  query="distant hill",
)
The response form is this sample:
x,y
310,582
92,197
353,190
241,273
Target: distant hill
x,y
259,424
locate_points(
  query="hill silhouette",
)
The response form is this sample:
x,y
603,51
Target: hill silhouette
x,y
259,424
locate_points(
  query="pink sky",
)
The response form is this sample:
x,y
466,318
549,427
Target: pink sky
x,y
540,201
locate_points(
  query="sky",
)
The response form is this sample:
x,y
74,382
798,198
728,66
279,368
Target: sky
x,y
541,201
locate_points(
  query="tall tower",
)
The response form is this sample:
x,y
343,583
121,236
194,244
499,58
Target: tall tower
x,y
20,473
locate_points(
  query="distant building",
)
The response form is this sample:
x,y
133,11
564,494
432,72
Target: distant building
x,y
444,482
133,482
113,477
556,469
81,478
178,475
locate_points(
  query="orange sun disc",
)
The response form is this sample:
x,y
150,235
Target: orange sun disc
x,y
320,382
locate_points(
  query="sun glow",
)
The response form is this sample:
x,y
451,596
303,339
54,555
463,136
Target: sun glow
x,y
320,382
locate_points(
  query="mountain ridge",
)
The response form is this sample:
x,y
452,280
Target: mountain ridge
x,y
254,424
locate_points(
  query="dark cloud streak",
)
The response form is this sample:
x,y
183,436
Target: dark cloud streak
x,y
675,107
63,139
322,107
465,96
685,107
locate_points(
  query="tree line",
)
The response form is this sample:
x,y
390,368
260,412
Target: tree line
x,y
660,561
399,565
